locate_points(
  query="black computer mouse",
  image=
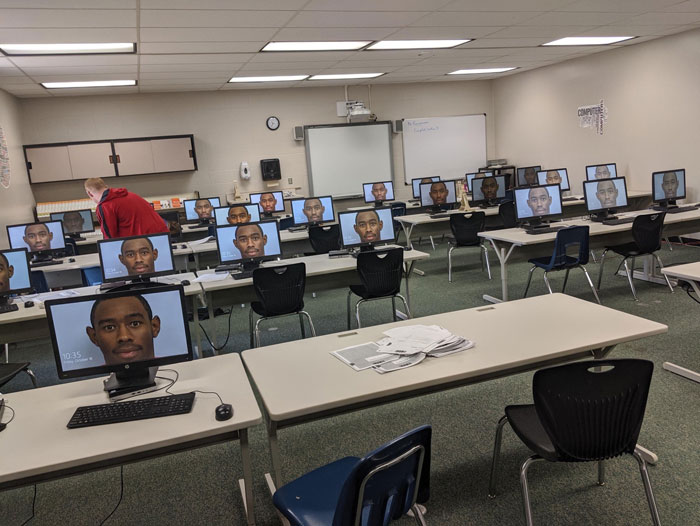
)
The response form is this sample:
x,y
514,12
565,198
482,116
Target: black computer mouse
x,y
28,304
185,282
71,260
224,412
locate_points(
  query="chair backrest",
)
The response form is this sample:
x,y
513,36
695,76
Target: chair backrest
x,y
573,242
589,414
387,482
38,281
92,276
465,227
646,231
71,246
507,212
324,239
381,271
398,208
286,222
281,289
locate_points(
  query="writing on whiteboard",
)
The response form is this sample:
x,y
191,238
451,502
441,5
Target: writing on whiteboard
x,y
422,126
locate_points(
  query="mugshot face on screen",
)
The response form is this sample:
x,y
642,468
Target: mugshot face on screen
x,y
138,256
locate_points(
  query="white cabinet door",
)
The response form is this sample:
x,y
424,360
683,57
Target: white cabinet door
x,y
91,160
134,157
50,163
172,155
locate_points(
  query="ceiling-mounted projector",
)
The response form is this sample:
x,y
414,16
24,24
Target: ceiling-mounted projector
x,y
358,113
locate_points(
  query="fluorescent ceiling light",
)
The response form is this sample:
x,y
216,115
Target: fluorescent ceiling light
x,y
274,78
341,76
416,44
586,41
88,84
315,46
481,71
67,49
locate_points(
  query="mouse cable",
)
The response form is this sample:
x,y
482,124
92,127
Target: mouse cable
x,y
4,424
689,289
177,376
121,494
217,349
33,507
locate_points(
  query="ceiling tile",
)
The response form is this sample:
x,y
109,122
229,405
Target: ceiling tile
x,y
374,5
224,4
354,19
509,42
75,60
547,32
185,67
650,19
123,90
620,6
628,30
268,67
39,18
201,47
333,33
66,35
450,33
450,19
305,56
179,87
692,6
504,5
213,34
129,72
197,58
587,19
78,77
214,18
201,76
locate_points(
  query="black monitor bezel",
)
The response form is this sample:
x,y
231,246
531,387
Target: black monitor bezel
x,y
29,270
596,166
434,179
304,223
101,242
665,200
366,244
364,194
282,200
596,181
468,180
105,369
244,261
568,188
197,220
92,222
49,251
522,184
228,207
480,201
444,204
540,218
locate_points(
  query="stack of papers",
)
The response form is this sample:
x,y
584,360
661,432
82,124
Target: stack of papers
x,y
403,347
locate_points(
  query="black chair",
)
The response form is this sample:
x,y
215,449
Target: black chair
x,y
574,237
71,247
583,412
281,293
323,239
647,234
465,229
506,211
398,208
286,223
9,370
380,274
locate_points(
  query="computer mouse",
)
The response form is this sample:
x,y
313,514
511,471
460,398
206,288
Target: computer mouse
x,y
183,246
185,282
224,412
71,260
28,304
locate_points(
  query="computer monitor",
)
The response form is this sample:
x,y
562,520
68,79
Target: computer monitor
x,y
601,171
476,175
14,273
236,214
201,209
135,258
42,240
312,210
378,192
554,176
415,184
488,191
604,196
248,243
438,194
536,203
75,222
366,228
667,186
128,333
527,175
268,202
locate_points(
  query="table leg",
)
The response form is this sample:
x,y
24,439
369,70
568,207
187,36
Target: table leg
x,y
407,275
407,230
246,483
197,329
212,323
272,485
677,369
503,253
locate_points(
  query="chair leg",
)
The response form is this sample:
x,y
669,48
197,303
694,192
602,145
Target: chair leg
x,y
629,278
357,313
418,515
486,257
496,456
301,325
251,328
566,279
405,305
525,489
257,332
449,264
432,242
647,488
393,308
529,279
349,307
661,265
311,324
600,272
593,257
31,377
590,283
601,473
546,282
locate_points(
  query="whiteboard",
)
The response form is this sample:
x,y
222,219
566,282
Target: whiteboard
x,y
341,157
448,147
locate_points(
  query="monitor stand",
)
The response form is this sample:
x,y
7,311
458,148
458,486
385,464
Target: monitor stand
x,y
378,204
603,215
664,206
131,382
135,284
247,268
76,237
267,215
42,259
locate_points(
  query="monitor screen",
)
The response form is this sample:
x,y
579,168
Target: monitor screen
x,y
438,193
235,214
601,171
380,191
37,237
201,209
314,210
668,185
135,257
415,184
268,202
527,175
366,227
489,188
251,241
537,202
75,221
476,175
14,272
555,176
605,194
119,331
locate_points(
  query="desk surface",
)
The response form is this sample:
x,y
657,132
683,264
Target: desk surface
x,y
689,271
548,328
43,446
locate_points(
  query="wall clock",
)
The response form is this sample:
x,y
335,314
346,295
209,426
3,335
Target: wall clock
x,y
273,123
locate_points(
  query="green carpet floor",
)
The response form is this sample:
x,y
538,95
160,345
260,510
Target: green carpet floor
x,y
199,487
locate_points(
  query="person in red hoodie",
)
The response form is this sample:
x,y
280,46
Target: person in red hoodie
x,y
122,213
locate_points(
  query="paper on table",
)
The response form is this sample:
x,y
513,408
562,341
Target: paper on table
x,y
44,296
361,357
201,241
401,363
210,277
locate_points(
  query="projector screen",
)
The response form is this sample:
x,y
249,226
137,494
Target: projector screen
x,y
341,157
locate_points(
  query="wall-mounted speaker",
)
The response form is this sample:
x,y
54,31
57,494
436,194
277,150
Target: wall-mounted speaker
x,y
270,169
398,126
298,133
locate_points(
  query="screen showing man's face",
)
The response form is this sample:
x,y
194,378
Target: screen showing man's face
x,y
530,175
438,193
670,185
6,272
606,193
250,241
123,331
138,256
73,222
38,237
602,172
489,187
539,201
553,177
268,202
203,208
379,191
237,215
368,226
313,210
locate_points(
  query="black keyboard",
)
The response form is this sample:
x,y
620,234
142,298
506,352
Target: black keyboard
x,y
8,307
45,263
227,268
97,415
242,275
438,216
679,209
570,198
543,230
619,221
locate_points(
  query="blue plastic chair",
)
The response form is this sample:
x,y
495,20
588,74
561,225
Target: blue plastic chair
x,y
567,238
381,487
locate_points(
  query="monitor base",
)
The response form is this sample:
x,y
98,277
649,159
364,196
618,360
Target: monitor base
x,y
133,382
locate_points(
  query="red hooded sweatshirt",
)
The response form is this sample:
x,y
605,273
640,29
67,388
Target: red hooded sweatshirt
x,y
123,214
